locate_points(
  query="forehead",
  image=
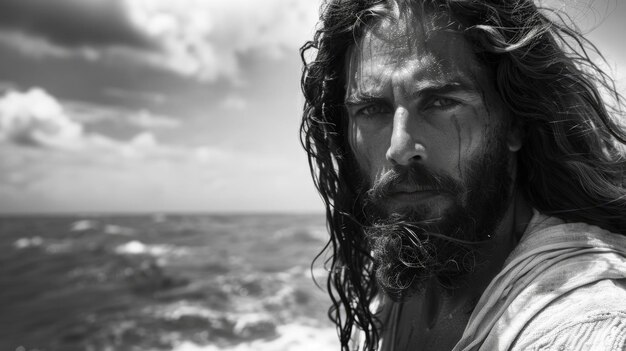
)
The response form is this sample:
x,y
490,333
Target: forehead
x,y
428,47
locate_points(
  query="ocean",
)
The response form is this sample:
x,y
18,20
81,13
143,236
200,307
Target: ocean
x,y
163,282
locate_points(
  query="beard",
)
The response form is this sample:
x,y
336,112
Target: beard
x,y
410,247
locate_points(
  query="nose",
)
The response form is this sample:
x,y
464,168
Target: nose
x,y
405,146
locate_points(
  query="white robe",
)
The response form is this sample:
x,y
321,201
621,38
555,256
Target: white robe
x,y
562,288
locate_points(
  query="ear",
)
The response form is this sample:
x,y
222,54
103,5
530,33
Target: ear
x,y
515,137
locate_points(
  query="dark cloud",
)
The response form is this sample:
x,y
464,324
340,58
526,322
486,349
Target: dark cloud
x,y
74,23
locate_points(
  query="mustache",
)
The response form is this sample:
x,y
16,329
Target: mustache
x,y
415,177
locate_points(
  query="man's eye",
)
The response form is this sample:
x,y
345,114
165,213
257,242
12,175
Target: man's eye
x,y
372,110
441,103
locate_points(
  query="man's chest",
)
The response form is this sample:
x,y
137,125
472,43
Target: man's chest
x,y
420,327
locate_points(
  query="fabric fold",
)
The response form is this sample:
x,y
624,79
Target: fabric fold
x,y
550,261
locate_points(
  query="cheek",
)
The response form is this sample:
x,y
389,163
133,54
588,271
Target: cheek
x,y
470,132
477,135
460,140
368,149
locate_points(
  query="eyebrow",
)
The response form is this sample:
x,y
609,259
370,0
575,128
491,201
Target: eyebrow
x,y
441,88
461,84
360,98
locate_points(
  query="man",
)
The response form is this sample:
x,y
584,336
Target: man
x,y
472,176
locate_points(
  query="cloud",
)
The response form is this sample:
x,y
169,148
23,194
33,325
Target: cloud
x,y
126,94
38,47
89,114
6,86
205,38
50,163
145,119
201,39
143,175
74,23
35,118
234,102
39,139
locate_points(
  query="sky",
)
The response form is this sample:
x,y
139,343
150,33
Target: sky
x,y
126,106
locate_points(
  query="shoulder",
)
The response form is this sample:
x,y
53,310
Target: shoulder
x,y
592,317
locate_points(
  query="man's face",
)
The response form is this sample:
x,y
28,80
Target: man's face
x,y
429,134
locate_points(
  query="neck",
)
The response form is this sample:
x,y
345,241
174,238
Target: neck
x,y
443,314
506,236
508,233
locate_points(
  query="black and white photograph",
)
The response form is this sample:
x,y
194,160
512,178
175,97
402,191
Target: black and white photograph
x,y
311,175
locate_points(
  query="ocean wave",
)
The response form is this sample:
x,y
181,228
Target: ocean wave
x,y
59,246
183,283
231,326
24,243
290,337
136,247
299,233
49,246
181,309
274,289
113,229
320,233
159,217
84,225
255,325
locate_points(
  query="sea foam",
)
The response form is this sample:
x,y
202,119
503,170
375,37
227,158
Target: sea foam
x,y
291,337
24,243
136,247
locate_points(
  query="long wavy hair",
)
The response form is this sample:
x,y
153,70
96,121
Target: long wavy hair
x,y
571,164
